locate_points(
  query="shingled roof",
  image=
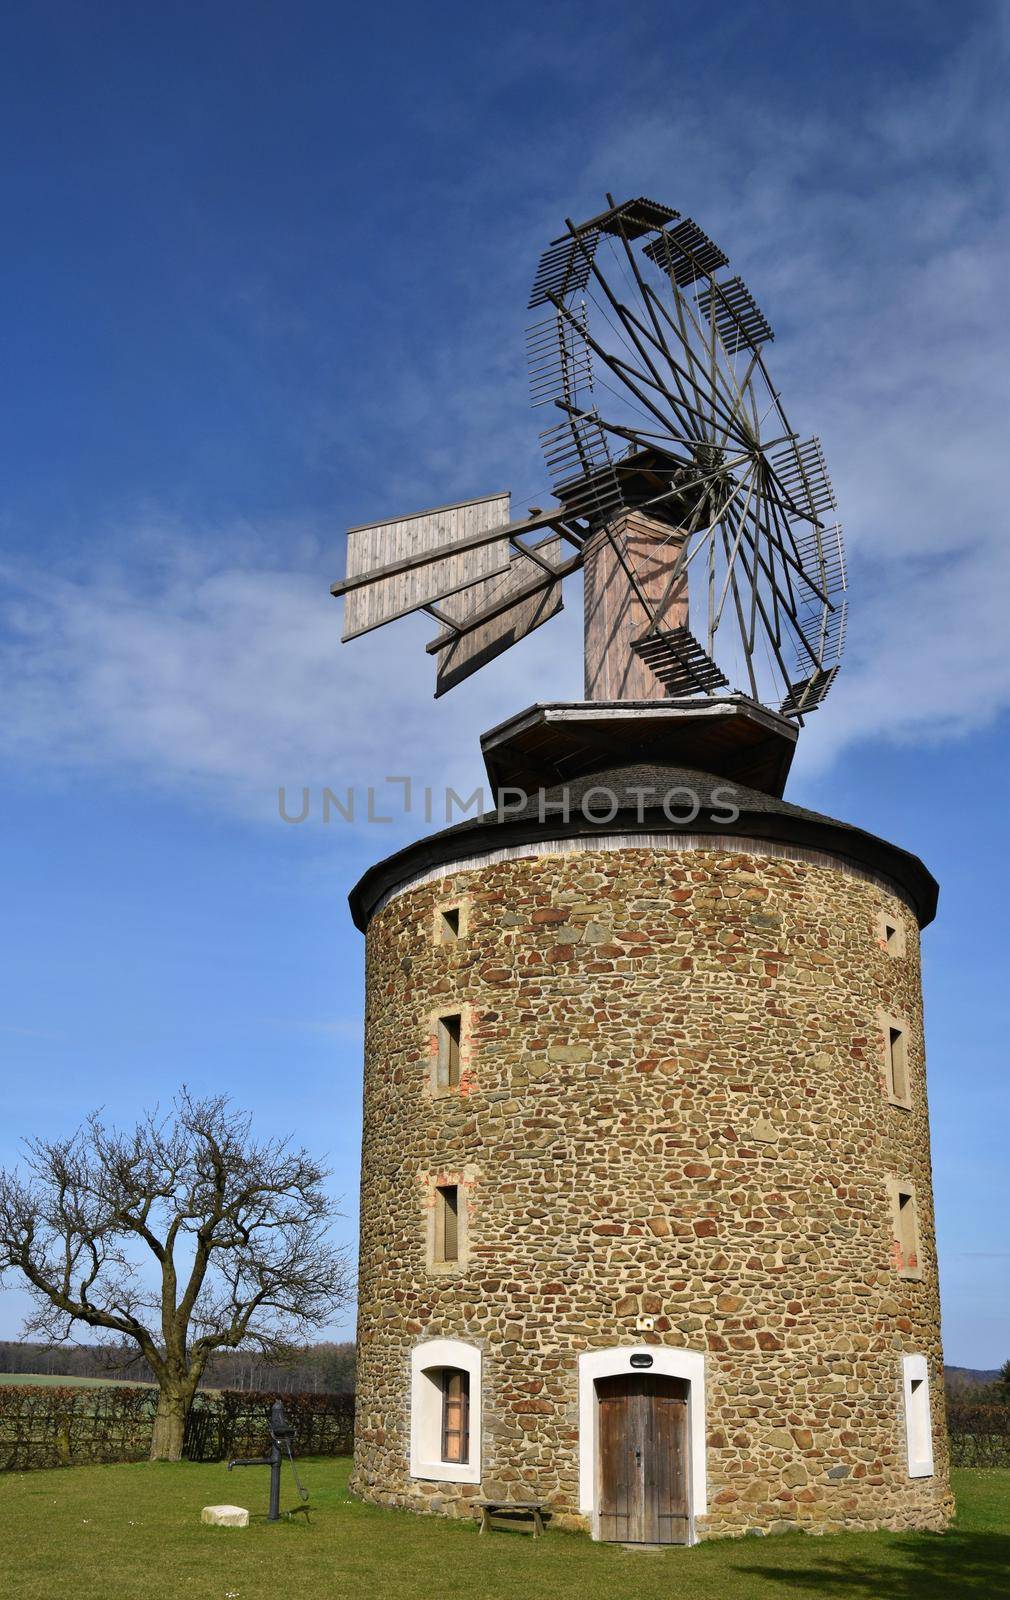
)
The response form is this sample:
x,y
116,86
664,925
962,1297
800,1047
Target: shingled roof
x,y
760,816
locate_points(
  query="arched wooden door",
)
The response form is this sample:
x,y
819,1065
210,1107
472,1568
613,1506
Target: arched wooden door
x,y
642,1462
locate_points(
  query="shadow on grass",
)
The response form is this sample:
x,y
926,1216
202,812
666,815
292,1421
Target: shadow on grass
x,y
943,1566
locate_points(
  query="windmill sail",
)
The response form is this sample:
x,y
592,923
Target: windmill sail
x,y
492,616
396,567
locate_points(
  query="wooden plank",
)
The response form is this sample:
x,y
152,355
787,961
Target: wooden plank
x,y
512,605
669,1457
615,615
511,1511
395,567
615,1457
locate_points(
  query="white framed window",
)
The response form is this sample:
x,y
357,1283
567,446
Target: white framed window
x,y
445,1411
918,1420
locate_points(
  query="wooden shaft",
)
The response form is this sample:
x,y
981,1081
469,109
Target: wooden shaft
x,y
616,613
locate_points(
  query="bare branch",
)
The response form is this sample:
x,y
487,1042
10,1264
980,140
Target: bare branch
x,y
251,1217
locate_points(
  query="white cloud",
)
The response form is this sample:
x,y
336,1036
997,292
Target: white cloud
x,y
218,673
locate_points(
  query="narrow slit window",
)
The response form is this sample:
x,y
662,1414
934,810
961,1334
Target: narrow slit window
x,y
890,934
450,1038
918,1419
455,1416
906,1232
448,925
897,1065
447,1222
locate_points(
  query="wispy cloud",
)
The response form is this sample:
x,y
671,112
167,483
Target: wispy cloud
x,y
216,672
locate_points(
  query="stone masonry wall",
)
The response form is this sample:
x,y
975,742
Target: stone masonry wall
x,y
672,1103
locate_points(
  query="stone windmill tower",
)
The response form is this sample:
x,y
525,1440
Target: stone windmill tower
x,y
646,1214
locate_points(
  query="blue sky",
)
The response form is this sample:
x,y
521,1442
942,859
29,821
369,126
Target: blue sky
x,y
264,277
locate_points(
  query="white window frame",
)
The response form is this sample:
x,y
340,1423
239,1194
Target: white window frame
x,y
427,1361
667,1363
918,1416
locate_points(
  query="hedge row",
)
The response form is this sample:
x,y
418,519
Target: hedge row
x,y
234,1422
43,1426
979,1433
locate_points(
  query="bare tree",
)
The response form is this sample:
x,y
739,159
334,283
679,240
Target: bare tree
x,y
238,1232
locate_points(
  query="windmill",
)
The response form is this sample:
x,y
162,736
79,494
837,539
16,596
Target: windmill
x,y
636,933
700,517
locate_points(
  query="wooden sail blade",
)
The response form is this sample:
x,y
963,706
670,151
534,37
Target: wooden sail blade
x,y
376,547
737,318
800,469
680,663
564,268
808,693
686,253
490,617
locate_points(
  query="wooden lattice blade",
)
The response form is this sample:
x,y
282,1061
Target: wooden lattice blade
x,y
686,253
680,662
808,693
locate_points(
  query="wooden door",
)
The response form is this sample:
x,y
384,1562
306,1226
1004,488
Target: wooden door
x,y
642,1459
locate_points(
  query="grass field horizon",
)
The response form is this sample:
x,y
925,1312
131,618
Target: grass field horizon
x,y
56,1381
135,1532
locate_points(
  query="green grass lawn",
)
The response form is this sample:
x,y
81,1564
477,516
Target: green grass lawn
x,y
45,1380
134,1533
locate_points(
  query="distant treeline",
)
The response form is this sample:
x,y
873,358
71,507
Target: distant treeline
x,y
969,1383
317,1369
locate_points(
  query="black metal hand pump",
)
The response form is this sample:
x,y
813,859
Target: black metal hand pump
x,y
281,1434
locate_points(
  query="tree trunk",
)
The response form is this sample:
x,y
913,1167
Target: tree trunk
x,y
170,1421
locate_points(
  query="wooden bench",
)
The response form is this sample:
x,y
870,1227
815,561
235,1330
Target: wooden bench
x,y
513,1510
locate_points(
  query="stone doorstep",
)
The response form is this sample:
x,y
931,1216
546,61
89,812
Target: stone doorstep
x,y
225,1516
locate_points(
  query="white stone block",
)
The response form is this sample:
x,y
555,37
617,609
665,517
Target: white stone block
x,y
225,1516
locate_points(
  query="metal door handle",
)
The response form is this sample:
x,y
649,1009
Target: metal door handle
x,y
638,1458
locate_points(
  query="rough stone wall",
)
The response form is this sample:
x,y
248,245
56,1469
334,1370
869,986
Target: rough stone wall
x,y
672,1105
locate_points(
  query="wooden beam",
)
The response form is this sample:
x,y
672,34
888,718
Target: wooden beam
x,y
424,558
